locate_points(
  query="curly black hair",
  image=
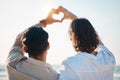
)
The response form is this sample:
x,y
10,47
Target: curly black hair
x,y
36,41
85,37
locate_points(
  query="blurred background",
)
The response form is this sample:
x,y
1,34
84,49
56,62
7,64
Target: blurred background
x,y
17,15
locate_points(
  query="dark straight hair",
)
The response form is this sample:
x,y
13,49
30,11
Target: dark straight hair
x,y
36,41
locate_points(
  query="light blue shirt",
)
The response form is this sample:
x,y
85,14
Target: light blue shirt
x,y
86,66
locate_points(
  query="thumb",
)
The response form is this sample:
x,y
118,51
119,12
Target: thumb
x,y
57,20
62,19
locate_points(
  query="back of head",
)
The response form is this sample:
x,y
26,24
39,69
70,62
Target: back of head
x,y
85,38
36,41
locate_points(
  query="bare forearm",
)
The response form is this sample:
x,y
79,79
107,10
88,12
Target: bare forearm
x,y
74,17
40,24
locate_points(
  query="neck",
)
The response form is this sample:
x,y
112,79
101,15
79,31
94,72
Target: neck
x,y
40,57
94,53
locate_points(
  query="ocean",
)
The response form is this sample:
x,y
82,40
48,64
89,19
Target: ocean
x,y
3,73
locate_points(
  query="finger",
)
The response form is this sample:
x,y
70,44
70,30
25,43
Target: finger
x,y
62,19
22,34
57,11
61,9
52,11
56,20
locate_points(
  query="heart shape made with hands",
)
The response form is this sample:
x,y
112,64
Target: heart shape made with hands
x,y
58,16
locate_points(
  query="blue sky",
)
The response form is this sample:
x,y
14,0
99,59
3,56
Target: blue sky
x,y
17,15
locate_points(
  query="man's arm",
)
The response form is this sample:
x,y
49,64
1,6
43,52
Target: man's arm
x,y
17,48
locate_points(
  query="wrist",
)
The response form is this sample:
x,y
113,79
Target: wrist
x,y
43,23
74,17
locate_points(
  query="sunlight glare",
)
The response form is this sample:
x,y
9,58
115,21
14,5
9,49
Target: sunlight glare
x,y
47,7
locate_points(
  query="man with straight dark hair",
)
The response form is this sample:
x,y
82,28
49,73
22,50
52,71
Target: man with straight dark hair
x,y
33,41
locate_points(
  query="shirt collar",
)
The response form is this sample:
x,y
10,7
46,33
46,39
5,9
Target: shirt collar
x,y
88,55
38,62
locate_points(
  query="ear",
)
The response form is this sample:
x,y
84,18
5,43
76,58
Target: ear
x,y
25,48
48,47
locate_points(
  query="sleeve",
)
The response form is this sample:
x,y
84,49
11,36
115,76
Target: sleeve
x,y
15,52
104,49
67,73
105,55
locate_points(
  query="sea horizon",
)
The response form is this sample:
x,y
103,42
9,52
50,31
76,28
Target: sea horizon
x,y
3,72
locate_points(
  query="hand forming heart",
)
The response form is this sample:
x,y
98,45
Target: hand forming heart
x,y
67,14
58,15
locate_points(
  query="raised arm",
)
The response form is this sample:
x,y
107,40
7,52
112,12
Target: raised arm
x,y
17,48
49,19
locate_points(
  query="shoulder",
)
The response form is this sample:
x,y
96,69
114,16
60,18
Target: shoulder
x,y
105,54
16,61
74,60
103,50
71,59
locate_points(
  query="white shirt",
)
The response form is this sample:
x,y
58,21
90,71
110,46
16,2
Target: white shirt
x,y
85,66
21,68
